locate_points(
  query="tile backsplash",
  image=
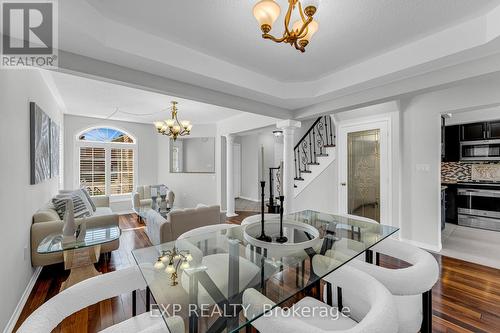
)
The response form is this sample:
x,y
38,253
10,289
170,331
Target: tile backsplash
x,y
452,172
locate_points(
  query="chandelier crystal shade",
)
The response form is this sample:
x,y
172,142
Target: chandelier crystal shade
x,y
266,12
173,127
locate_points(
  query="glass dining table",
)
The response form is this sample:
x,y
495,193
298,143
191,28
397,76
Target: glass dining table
x,y
202,278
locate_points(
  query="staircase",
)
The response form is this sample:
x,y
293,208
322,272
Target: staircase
x,y
314,152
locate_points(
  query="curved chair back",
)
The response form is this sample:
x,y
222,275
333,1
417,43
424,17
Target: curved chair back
x,y
82,295
381,316
414,280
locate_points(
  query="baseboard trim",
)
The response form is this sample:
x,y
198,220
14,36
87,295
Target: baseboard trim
x,y
424,246
22,302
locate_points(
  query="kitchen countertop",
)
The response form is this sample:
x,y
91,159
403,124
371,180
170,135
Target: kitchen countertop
x,y
492,186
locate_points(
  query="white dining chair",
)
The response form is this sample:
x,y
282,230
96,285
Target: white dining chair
x,y
312,315
216,264
411,286
94,290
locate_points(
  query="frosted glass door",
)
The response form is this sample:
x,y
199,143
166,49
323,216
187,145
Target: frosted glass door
x,y
363,172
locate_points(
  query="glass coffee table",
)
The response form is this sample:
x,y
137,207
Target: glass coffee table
x,y
202,278
80,255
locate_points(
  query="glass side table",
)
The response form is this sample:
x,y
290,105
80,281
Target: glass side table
x,y
80,255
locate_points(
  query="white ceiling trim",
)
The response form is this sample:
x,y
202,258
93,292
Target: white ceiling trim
x,y
180,62
96,69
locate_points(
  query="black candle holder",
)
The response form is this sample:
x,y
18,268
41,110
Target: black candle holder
x,y
281,238
263,237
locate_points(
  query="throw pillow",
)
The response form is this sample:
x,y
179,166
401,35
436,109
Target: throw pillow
x,y
80,209
86,199
87,195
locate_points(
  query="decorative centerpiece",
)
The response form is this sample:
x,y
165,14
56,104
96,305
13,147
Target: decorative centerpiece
x,y
69,226
281,238
154,198
173,259
163,199
310,237
263,237
81,231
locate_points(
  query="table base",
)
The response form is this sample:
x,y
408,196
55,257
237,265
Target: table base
x,y
80,262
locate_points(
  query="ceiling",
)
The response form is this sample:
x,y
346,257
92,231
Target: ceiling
x,y
93,98
350,30
211,51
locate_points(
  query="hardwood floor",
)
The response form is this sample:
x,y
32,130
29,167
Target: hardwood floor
x,y
465,299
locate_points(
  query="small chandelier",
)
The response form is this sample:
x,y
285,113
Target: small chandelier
x,y
172,127
267,12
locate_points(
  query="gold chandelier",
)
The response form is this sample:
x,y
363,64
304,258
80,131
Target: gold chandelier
x,y
267,12
173,127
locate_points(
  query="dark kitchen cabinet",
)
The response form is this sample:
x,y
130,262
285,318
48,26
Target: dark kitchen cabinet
x,y
451,145
494,130
471,132
443,209
451,204
443,131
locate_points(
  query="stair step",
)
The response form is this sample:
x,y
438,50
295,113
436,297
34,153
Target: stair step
x,y
321,155
305,171
299,178
313,163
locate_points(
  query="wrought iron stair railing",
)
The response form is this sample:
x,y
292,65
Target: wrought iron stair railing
x,y
313,145
274,189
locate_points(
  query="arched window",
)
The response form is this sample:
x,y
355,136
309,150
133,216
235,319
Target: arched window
x,y
106,135
107,164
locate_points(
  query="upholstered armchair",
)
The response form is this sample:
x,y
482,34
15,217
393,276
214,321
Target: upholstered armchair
x,y
141,198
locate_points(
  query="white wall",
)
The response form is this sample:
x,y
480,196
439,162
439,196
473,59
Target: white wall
x,y
322,193
19,199
237,124
147,149
199,154
249,167
251,163
305,126
421,153
266,140
190,188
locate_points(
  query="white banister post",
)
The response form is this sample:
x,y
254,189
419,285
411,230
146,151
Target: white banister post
x,y
230,176
288,127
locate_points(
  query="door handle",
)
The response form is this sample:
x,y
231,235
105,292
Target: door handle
x,y
343,184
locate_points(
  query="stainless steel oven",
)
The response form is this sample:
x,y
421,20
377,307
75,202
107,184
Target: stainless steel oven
x,y
479,208
482,150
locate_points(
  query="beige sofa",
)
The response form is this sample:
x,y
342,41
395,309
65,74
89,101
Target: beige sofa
x,y
178,221
46,221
